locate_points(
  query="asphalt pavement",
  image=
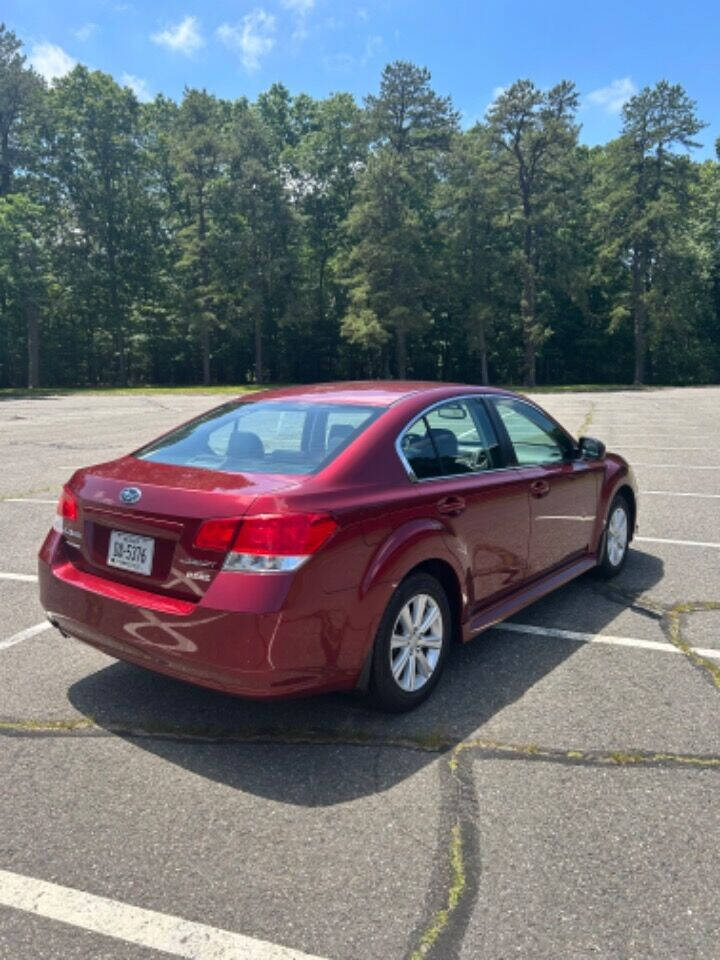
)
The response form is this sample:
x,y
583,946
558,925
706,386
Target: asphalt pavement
x,y
557,797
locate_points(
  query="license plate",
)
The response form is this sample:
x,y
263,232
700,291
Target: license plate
x,y
128,551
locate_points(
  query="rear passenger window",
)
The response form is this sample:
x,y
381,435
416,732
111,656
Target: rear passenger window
x,y
419,451
452,439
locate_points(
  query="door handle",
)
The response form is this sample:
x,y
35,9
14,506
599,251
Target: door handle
x,y
451,506
539,488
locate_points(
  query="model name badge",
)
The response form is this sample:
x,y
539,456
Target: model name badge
x,y
198,576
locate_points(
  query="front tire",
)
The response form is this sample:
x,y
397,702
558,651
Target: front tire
x,y
411,644
616,539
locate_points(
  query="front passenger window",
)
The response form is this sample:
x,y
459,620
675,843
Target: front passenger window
x,y
535,439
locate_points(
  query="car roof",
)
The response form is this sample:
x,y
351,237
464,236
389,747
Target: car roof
x,y
381,393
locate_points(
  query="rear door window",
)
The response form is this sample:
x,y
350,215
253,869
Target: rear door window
x,y
452,439
419,451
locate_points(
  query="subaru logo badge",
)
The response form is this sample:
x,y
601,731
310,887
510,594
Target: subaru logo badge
x,y
130,494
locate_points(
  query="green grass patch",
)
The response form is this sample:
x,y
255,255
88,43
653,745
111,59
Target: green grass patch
x,y
13,393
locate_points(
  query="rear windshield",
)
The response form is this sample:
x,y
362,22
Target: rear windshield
x,y
264,437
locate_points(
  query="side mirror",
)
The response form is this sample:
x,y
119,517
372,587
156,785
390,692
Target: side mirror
x,y
591,449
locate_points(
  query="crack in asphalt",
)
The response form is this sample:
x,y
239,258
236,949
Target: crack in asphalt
x,y
445,930
455,877
482,748
588,419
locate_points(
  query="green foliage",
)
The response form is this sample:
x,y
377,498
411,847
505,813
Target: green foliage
x,y
295,239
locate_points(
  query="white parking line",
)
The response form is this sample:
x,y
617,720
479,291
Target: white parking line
x,y
612,441
24,577
677,466
655,446
26,500
25,635
146,928
601,638
679,543
674,493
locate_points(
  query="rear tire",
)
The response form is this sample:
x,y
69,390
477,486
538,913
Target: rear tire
x,y
411,644
616,539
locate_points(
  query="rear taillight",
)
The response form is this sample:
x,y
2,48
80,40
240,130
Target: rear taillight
x,y
216,534
66,510
274,543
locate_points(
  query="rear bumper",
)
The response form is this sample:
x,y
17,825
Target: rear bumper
x,y
280,651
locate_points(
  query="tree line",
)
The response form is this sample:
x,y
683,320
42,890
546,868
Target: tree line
x,y
293,239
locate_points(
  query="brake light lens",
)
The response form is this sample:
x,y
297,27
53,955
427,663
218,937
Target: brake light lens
x,y
278,542
284,535
66,510
216,534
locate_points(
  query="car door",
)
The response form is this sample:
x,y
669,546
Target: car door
x,y
563,489
454,453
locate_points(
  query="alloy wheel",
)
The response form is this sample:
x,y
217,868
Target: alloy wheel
x,y
416,642
617,536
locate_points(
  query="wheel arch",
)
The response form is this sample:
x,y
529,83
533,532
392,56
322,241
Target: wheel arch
x,y
447,576
442,571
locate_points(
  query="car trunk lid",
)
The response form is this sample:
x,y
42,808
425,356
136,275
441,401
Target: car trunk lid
x,y
155,534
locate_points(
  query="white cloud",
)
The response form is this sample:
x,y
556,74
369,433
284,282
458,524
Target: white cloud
x,y
137,85
50,60
373,45
362,14
345,62
496,92
301,8
298,6
339,62
252,37
86,31
613,97
183,37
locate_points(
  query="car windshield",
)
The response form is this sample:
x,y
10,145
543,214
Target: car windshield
x,y
264,437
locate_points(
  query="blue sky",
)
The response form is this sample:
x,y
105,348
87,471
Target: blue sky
x,y
234,47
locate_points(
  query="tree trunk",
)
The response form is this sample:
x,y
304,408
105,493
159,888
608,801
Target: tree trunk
x,y
529,298
527,310
33,344
401,350
205,280
259,371
639,317
482,341
5,166
205,349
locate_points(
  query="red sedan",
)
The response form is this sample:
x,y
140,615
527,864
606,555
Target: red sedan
x,y
331,537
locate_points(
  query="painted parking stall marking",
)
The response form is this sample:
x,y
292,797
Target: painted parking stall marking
x,y
145,928
676,466
21,577
25,635
580,637
680,543
27,500
676,493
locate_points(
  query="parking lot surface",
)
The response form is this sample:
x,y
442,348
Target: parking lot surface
x,y
556,797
